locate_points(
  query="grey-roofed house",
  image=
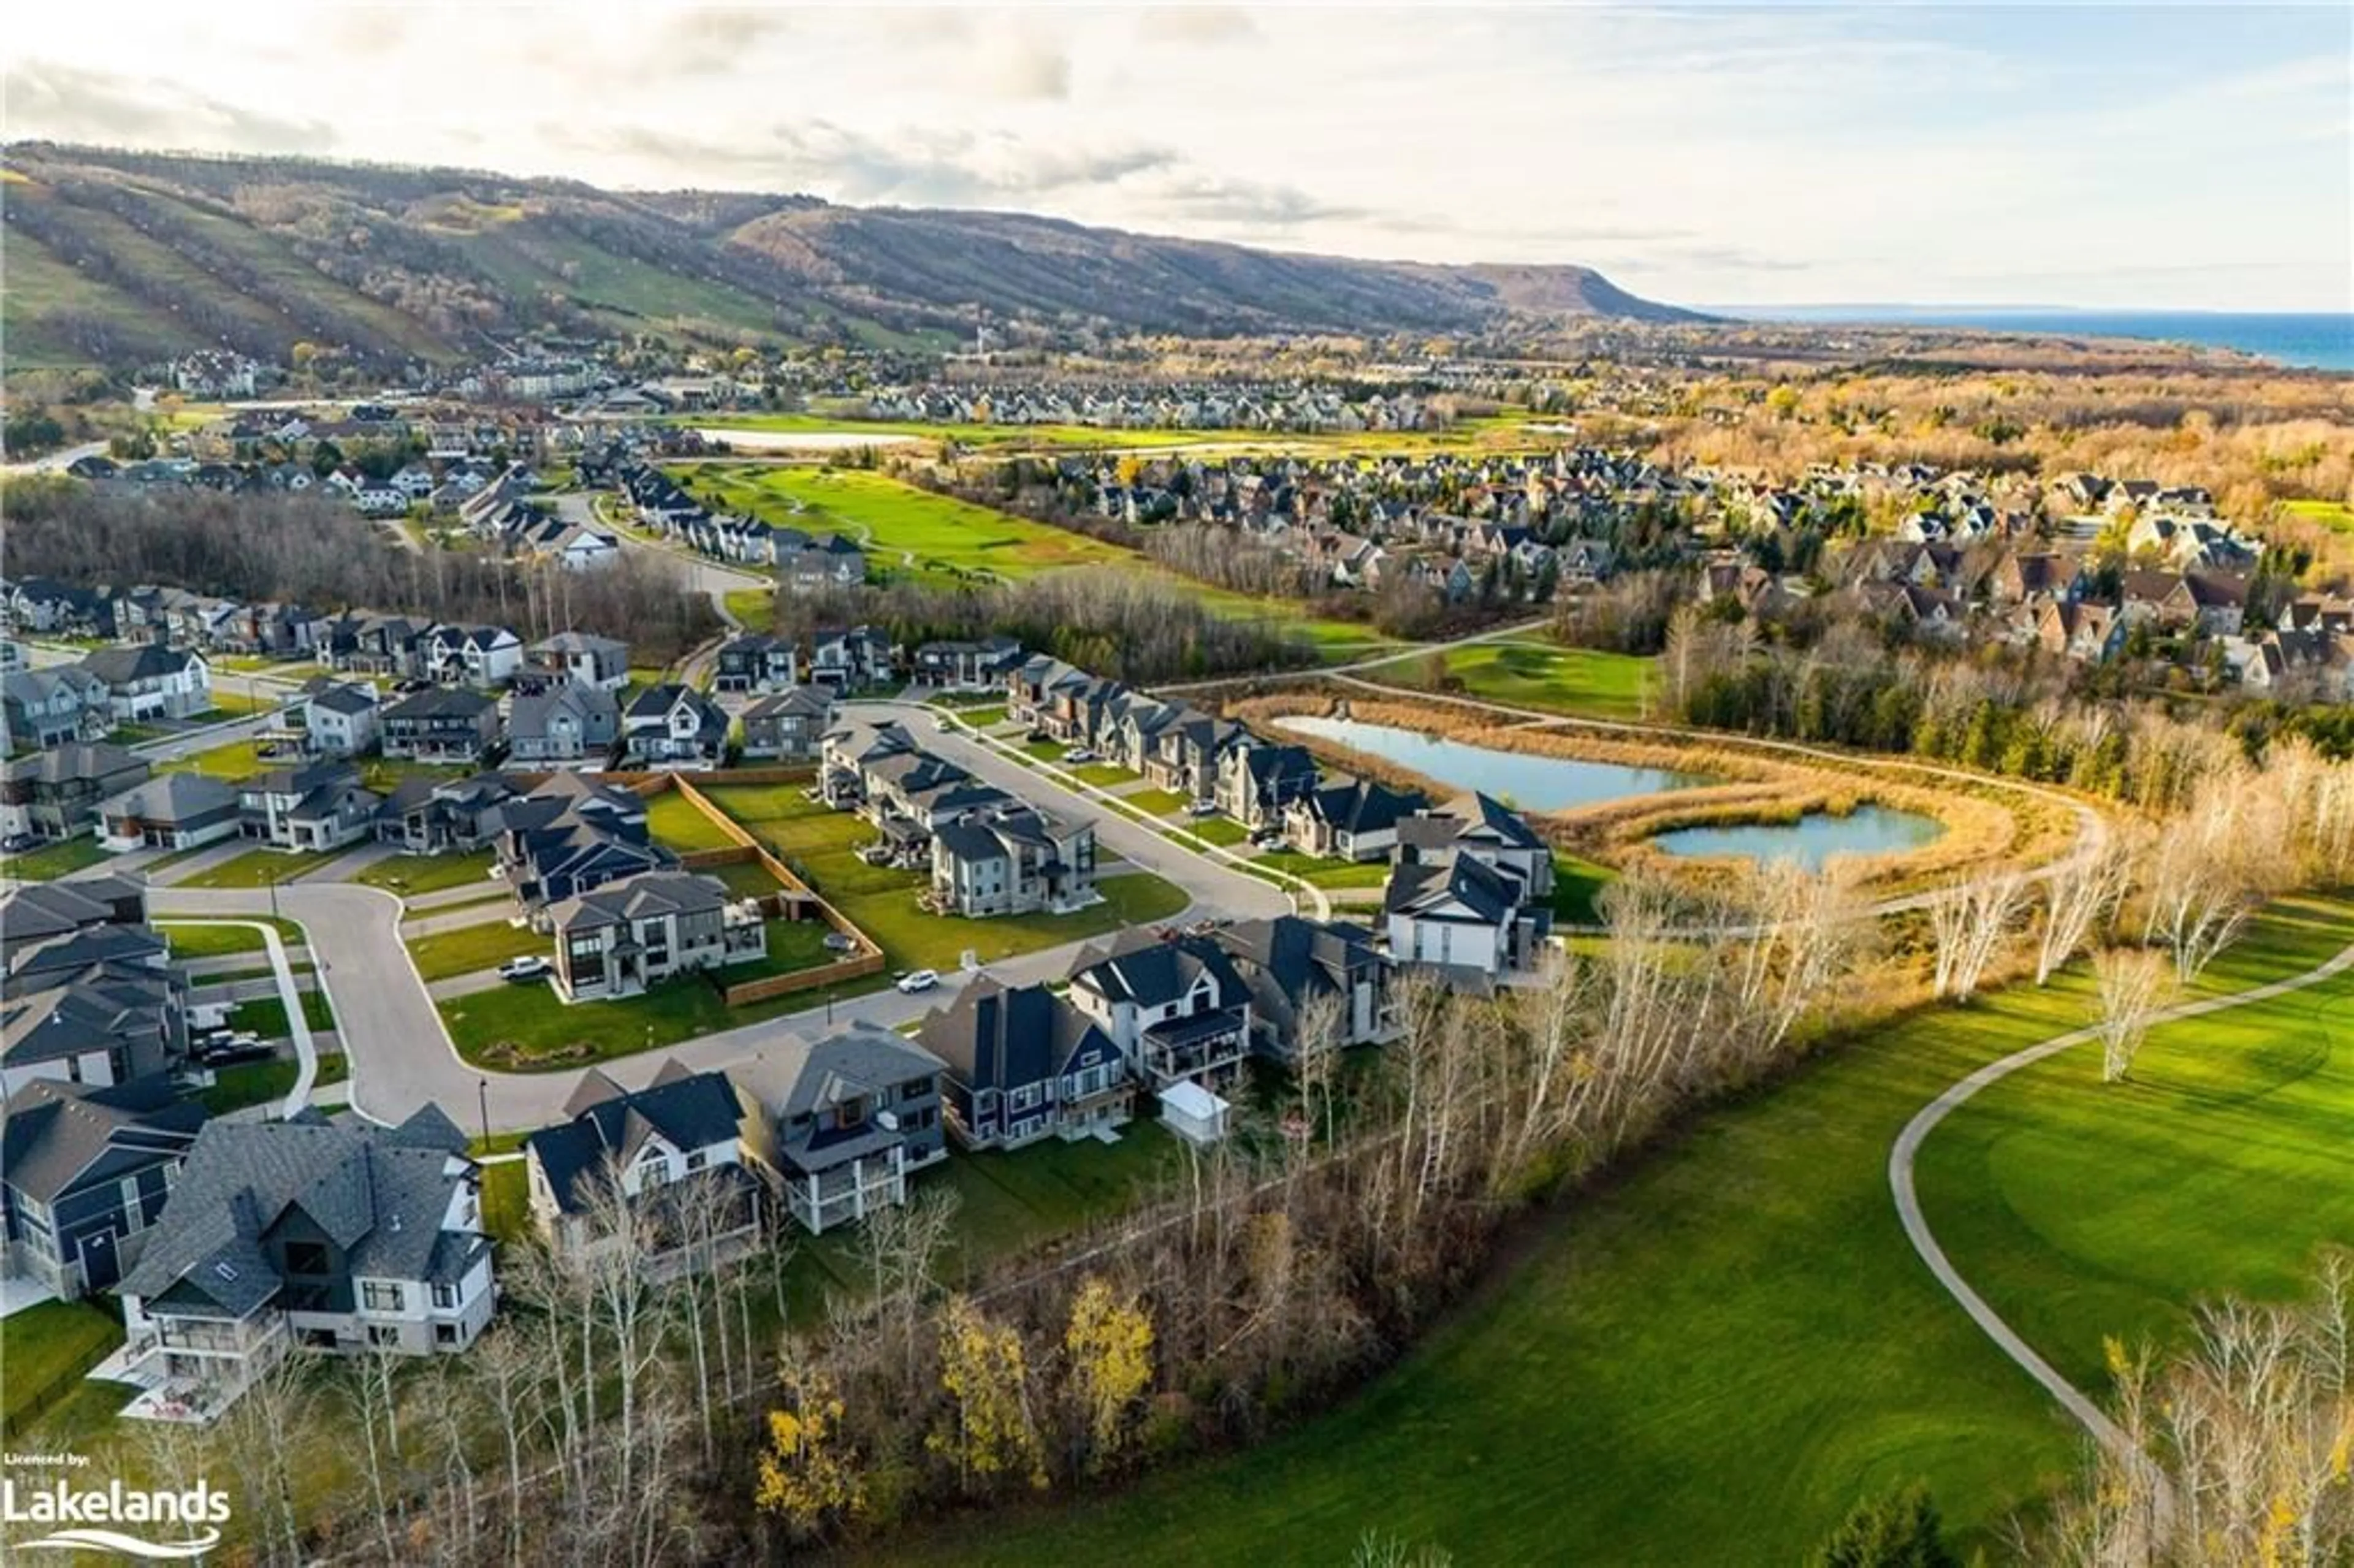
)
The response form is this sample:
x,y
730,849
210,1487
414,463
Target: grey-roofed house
x,y
84,1171
341,718
673,725
100,1005
331,1237
686,1154
1304,973
54,794
319,806
425,815
1011,859
573,833
756,661
787,727
582,659
1257,780
1462,914
622,938
1023,1065
1178,1010
856,1112
447,724
171,811
152,682
32,910
1348,819
51,707
564,726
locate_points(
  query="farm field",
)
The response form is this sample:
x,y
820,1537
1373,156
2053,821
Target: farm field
x,y
1752,1343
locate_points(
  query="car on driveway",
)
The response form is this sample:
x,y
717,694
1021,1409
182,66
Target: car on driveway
x,y
1200,808
523,971
1079,754
242,1046
18,843
915,980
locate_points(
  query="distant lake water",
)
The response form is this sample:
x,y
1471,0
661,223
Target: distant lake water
x,y
1812,840
1530,782
2318,340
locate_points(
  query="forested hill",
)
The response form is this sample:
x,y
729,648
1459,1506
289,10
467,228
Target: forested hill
x,y
119,257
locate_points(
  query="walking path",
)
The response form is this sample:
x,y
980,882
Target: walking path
x,y
298,1028
2078,1404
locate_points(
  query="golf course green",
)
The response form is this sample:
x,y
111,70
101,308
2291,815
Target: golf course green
x,y
1710,1359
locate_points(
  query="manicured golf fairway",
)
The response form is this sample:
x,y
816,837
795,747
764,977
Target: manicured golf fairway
x,y
1710,1361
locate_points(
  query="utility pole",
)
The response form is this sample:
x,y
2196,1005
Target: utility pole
x,y
483,1088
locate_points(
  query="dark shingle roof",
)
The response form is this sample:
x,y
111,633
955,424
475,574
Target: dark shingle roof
x,y
693,1111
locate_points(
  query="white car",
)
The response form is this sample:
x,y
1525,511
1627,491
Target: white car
x,y
915,980
943,722
1202,808
530,966
1080,755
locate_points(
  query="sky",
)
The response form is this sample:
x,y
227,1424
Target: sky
x,y
2105,155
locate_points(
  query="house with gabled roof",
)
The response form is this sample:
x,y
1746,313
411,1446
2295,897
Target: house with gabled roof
x,y
564,727
443,725
152,682
1301,972
170,811
686,1154
624,937
54,794
340,1238
1257,780
1022,1063
84,1171
856,1112
673,726
787,727
1178,1009
1471,891
1348,818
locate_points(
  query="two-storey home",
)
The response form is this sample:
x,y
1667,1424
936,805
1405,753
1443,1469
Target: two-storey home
x,y
319,806
684,1156
425,815
152,682
570,835
617,939
564,726
673,725
756,661
979,666
787,727
445,725
1022,1064
1011,859
853,658
54,794
856,1112
1472,890
84,1171
478,656
1258,780
581,659
341,718
1306,973
98,1005
334,1237
52,707
1178,1010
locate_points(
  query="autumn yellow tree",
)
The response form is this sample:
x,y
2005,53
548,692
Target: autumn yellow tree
x,y
990,1431
809,1478
1109,1342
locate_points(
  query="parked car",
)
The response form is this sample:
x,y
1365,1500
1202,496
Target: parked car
x,y
1267,837
522,971
18,843
1200,808
943,722
915,980
836,942
1079,754
237,1048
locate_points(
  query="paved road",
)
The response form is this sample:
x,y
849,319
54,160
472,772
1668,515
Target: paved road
x,y
58,462
401,1056
2078,1404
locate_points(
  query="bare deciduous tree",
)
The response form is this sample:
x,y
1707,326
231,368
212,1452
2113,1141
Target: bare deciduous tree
x,y
2136,984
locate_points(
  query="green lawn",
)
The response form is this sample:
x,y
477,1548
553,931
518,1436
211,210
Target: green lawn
x,y
753,607
912,939
1013,1200
238,760
903,529
430,874
266,1083
1156,802
1576,884
47,1348
2335,515
793,946
1079,437
478,947
745,879
1222,832
267,1015
545,1034
260,867
1531,675
1709,1360
506,1199
206,939
673,821
1104,775
52,861
1318,871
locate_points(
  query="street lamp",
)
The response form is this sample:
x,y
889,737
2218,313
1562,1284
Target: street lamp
x,y
483,1088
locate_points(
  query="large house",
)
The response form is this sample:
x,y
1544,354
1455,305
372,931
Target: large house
x,y
152,682
84,1171
673,725
582,660
1472,890
444,725
1178,1010
573,834
1023,1063
787,727
1258,781
334,1237
756,661
339,718
52,707
854,1112
1348,818
686,1154
624,937
91,998
1299,970
319,806
54,794
984,665
564,726
1013,859
853,659
425,815
480,656
170,811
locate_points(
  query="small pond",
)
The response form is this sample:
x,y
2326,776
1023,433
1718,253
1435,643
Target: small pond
x,y
1812,839
1530,783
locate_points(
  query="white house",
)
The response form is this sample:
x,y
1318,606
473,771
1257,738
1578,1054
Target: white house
x,y
688,1153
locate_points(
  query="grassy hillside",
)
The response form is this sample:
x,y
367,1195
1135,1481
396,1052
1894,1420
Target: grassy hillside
x,y
138,253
